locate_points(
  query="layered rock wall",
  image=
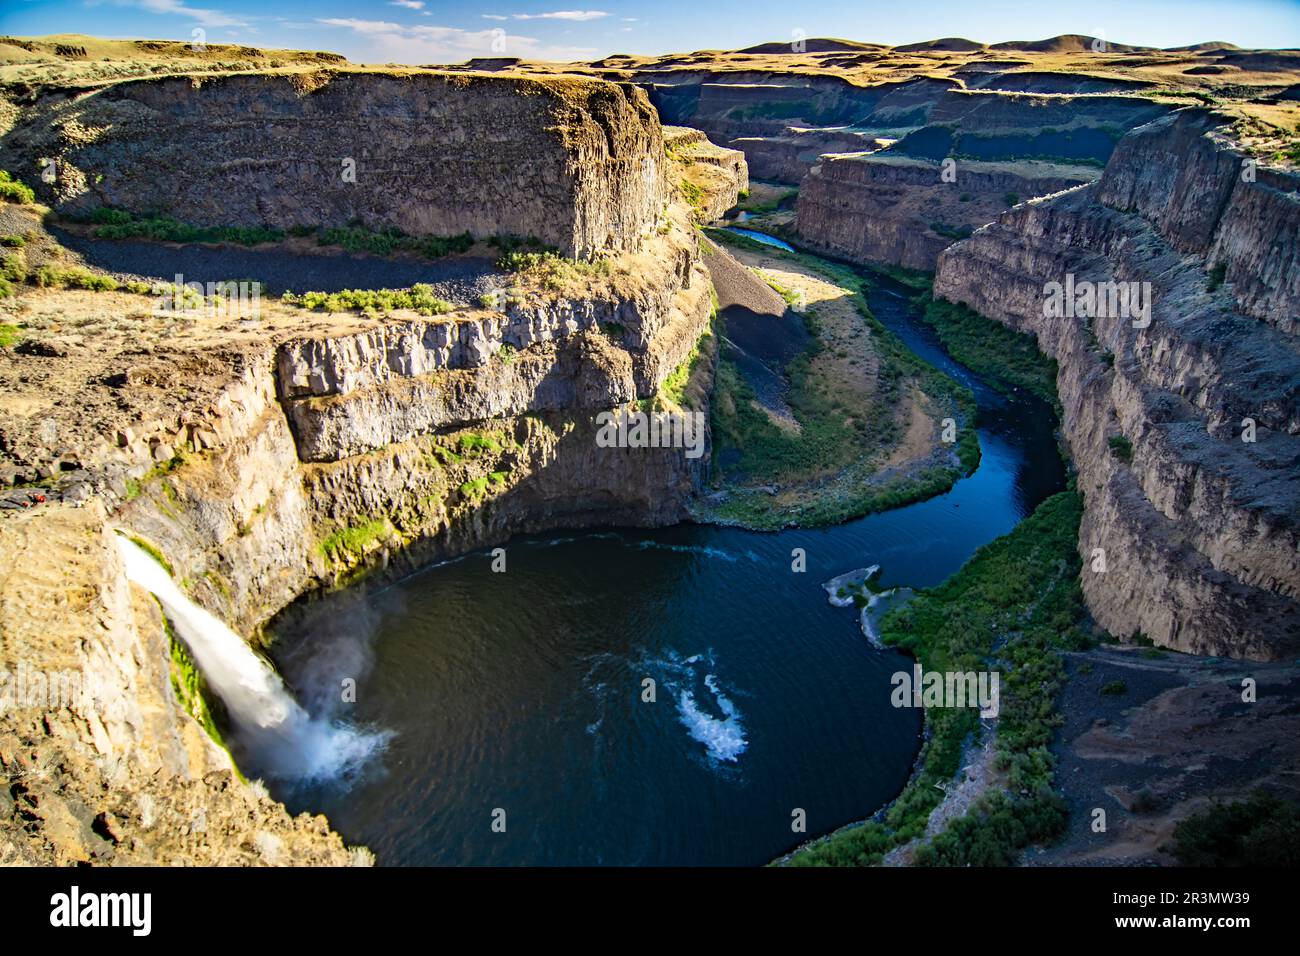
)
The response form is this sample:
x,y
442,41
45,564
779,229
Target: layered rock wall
x,y
884,208
1197,530
576,163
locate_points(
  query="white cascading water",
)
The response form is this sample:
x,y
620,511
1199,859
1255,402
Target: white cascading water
x,y
282,739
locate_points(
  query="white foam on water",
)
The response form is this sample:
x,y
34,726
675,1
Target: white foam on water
x,y
282,739
724,737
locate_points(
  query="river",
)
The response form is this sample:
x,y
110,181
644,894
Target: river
x,y
515,700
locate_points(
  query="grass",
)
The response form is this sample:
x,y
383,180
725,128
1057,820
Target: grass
x,y
552,271
1217,274
756,207
348,543
836,435
1120,447
11,190
1007,359
111,223
190,687
418,298
673,389
8,335
153,551
1014,606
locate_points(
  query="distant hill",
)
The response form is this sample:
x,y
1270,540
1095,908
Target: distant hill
x,y
1068,43
945,44
820,45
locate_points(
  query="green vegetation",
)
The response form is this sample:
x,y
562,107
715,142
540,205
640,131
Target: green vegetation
x,y
815,114
1120,447
1014,606
13,266
1008,359
120,224
1115,688
1217,275
190,687
135,486
674,385
418,298
473,444
61,277
8,335
12,241
111,223
773,203
11,190
1011,199
1261,831
153,551
352,542
475,487
692,193
951,232
389,241
836,434
552,270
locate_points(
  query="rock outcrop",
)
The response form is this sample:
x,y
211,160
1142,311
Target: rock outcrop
x,y
267,457
1186,430
576,163
712,176
881,207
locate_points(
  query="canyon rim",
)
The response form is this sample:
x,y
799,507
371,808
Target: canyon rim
x,y
508,457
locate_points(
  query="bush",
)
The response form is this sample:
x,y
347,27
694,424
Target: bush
x,y
418,298
1263,831
1120,447
13,266
1115,688
56,277
11,190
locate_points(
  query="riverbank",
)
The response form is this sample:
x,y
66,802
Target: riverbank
x,y
847,424
975,620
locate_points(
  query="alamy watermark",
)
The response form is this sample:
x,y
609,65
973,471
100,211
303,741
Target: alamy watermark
x,y
920,688
638,429
227,299
1098,300
29,688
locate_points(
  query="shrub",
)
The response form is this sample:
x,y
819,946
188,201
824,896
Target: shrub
x,y
1262,831
1120,447
1115,688
418,298
56,277
11,190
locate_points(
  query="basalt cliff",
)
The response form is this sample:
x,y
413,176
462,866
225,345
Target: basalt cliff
x,y
1182,423
265,455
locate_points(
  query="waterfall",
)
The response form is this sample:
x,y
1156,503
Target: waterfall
x,y
281,739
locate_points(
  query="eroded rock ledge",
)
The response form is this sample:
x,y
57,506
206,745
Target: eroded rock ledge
x,y
1199,529
577,163
264,459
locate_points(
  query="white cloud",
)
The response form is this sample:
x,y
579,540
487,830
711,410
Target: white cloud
x,y
202,15
563,15
364,26
494,16
398,43
409,4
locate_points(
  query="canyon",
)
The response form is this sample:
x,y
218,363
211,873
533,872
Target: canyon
x,y
273,457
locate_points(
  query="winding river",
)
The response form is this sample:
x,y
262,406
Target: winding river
x,y
515,701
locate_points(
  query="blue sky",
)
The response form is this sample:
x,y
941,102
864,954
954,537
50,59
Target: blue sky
x,y
431,31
